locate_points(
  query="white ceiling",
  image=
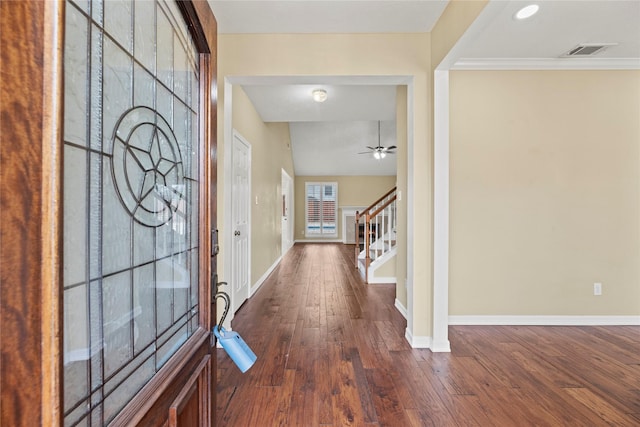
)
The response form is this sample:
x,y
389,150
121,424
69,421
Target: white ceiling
x,y
336,143
334,16
293,103
559,26
494,41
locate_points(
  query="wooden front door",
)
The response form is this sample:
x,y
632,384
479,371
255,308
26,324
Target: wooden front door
x,y
108,167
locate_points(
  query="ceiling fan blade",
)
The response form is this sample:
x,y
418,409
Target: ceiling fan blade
x,y
393,147
371,148
365,152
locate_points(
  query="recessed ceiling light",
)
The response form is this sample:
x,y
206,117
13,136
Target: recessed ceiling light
x,y
527,12
319,95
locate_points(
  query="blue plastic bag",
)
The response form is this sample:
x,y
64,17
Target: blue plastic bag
x,y
236,348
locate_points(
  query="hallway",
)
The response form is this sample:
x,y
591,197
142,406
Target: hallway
x,y
331,351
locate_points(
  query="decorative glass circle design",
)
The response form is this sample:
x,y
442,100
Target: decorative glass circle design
x,y
147,166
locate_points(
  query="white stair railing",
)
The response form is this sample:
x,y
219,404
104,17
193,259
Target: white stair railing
x,y
379,230
384,223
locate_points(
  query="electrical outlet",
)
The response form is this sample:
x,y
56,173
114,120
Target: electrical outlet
x,y
597,288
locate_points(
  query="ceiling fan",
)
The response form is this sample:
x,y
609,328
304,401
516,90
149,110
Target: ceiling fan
x,y
379,152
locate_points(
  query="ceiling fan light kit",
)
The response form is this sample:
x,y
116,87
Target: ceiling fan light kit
x,y
379,152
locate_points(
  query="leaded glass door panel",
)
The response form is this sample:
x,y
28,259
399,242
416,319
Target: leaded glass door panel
x,y
135,210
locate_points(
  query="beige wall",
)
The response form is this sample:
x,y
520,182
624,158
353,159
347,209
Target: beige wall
x,y
481,220
388,269
352,191
270,153
452,24
401,203
545,192
405,56
454,21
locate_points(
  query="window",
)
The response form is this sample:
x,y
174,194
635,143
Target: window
x,y
321,208
131,200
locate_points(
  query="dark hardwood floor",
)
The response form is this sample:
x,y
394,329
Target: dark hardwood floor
x,y
331,351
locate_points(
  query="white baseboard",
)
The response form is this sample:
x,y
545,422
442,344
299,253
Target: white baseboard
x,y
417,342
261,280
441,347
422,342
546,320
287,250
381,280
401,308
318,240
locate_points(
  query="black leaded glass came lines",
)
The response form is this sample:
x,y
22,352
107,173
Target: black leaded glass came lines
x,y
131,197
147,167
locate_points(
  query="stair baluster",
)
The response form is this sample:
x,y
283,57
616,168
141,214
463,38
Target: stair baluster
x,y
379,230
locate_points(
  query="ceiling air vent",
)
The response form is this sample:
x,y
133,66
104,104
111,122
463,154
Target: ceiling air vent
x,y
588,49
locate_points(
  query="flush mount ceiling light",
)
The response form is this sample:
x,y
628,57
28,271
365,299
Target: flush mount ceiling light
x,y
527,12
319,95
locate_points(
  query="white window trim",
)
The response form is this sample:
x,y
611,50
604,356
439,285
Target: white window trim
x,y
306,209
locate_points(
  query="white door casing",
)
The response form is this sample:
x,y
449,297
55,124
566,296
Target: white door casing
x,y
240,222
287,217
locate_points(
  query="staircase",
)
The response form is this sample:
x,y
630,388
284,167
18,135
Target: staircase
x,y
376,236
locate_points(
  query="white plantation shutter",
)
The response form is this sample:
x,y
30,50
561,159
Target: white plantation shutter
x,y
314,219
321,208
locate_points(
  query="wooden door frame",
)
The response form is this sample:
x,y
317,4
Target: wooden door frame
x,y
32,96
30,221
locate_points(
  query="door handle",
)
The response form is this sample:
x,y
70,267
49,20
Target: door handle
x,y
236,233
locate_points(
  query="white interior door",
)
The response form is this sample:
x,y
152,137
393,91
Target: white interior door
x,y
241,222
287,217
